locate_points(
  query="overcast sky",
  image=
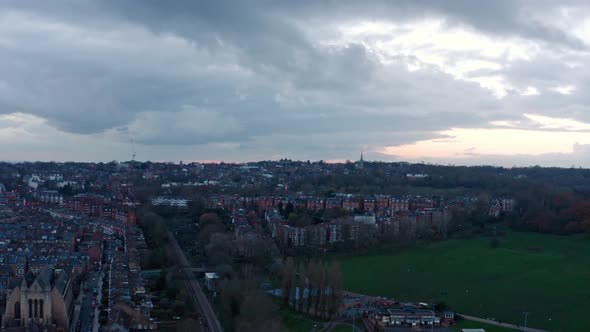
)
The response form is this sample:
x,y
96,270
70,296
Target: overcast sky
x,y
461,82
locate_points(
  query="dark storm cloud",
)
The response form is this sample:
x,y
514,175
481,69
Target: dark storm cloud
x,y
256,74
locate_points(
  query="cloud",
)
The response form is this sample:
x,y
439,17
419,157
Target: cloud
x,y
565,89
579,156
295,79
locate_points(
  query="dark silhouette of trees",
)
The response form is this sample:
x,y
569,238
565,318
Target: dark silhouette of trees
x,y
314,288
244,307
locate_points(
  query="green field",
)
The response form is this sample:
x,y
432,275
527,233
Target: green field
x,y
549,276
360,326
343,328
296,322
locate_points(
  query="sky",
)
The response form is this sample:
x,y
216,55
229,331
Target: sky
x,y
450,82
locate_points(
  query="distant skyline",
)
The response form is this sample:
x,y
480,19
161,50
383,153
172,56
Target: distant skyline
x,y
461,82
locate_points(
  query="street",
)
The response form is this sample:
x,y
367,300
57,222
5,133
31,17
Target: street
x,y
88,308
493,322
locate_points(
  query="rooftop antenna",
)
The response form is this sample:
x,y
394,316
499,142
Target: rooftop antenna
x,y
133,154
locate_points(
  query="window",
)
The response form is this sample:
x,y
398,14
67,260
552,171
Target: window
x,y
30,308
40,308
35,308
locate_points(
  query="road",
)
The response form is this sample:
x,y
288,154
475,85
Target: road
x,y
493,322
199,300
86,321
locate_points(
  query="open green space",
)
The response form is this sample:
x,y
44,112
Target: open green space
x,y
296,322
545,275
466,324
342,328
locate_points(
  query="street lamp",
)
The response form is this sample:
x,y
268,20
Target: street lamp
x,y
433,316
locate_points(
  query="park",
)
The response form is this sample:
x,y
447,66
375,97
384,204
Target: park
x,y
545,276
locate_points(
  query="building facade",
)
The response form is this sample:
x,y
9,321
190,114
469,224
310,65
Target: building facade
x,y
42,299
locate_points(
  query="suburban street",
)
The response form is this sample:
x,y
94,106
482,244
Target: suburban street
x,y
211,323
87,321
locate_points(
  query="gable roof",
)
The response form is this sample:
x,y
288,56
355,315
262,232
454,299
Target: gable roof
x,y
61,283
45,278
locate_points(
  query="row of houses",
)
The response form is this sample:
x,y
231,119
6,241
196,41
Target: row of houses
x,y
500,206
378,204
91,205
357,228
130,307
412,315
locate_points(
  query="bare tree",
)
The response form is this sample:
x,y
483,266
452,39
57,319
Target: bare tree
x,y
288,281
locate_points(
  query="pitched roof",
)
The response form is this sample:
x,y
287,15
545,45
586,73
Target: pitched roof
x,y
45,278
61,282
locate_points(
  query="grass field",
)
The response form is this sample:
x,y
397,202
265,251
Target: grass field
x,y
360,326
545,275
343,328
296,322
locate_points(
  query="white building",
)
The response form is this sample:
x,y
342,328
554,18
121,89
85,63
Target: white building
x,y
173,202
210,278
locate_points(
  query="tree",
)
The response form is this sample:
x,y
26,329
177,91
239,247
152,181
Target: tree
x,y
188,325
335,296
154,228
220,249
280,206
262,253
289,209
206,232
299,220
66,190
209,218
288,281
258,313
231,299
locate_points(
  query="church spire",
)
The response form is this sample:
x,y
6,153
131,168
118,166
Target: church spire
x,y
360,163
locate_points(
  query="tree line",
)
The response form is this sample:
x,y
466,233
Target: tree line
x,y
314,288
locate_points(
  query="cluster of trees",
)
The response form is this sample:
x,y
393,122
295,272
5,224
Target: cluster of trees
x,y
314,288
104,315
245,307
156,234
549,200
551,211
171,298
391,178
208,237
301,217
